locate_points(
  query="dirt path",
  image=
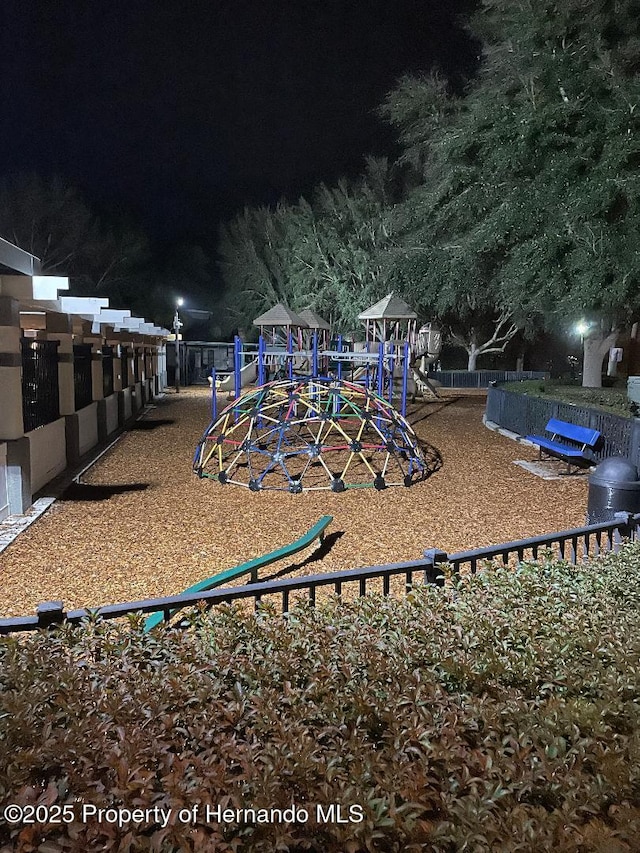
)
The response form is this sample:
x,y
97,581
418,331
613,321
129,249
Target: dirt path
x,y
154,528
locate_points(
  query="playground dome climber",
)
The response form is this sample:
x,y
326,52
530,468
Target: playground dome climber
x,y
295,435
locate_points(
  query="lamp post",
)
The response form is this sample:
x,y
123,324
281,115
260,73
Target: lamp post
x,y
177,323
582,329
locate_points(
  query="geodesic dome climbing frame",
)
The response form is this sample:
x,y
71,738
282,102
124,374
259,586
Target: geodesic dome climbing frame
x,y
295,435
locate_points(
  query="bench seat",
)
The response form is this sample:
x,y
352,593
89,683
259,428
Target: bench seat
x,y
578,443
558,447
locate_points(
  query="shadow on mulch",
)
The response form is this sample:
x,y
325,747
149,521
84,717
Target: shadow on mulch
x,y
441,404
433,457
87,492
148,425
319,554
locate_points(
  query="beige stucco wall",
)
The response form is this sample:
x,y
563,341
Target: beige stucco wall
x,y
111,404
11,425
136,398
128,410
48,453
10,385
87,428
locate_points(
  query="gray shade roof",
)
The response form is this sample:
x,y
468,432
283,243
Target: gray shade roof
x,y
280,315
313,320
389,308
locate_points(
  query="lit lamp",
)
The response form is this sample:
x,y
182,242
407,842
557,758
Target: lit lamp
x,y
177,323
582,328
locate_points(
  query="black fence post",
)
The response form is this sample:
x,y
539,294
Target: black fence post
x,y
50,613
625,529
432,572
107,371
82,380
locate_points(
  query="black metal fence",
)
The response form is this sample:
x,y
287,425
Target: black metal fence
x,y
528,415
82,383
124,366
40,395
482,378
107,371
198,358
575,545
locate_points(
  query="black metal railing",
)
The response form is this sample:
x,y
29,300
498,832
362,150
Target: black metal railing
x,y
107,371
575,545
482,378
40,395
526,414
82,383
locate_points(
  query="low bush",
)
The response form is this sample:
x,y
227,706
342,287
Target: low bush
x,y
498,714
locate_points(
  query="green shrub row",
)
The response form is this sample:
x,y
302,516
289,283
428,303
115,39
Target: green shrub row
x,y
498,714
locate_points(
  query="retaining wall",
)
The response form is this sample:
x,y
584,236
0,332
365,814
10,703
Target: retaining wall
x,y
528,415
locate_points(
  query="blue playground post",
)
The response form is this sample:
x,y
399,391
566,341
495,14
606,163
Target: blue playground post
x,y
237,366
214,397
314,357
290,355
391,369
405,378
367,368
381,369
340,360
261,358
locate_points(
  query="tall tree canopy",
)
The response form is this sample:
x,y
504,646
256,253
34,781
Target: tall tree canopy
x,y
327,254
527,207
50,219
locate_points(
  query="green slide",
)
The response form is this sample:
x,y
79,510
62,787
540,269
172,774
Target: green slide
x,y
250,567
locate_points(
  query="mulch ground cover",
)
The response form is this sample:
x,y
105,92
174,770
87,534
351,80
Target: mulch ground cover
x,y
141,524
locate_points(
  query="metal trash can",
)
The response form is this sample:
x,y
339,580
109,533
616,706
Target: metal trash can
x,y
613,487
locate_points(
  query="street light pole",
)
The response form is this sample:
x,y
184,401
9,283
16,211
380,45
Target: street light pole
x,y
177,323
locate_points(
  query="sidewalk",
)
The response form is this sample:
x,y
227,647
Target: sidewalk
x,y
14,525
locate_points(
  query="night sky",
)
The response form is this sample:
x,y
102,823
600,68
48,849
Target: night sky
x,y
183,112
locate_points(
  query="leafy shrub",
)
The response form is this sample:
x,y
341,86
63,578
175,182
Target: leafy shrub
x,y
498,714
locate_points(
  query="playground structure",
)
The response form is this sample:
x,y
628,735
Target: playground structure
x,y
294,346
312,427
308,434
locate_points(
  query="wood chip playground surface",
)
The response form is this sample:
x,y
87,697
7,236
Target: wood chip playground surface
x,y
141,524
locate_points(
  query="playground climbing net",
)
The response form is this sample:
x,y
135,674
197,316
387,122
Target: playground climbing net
x,y
308,434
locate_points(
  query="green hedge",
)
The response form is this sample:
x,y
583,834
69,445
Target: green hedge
x,y
499,714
